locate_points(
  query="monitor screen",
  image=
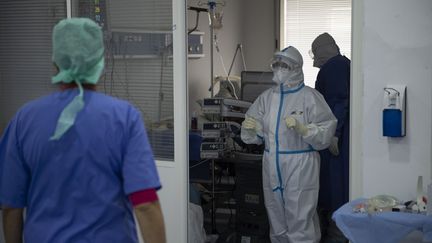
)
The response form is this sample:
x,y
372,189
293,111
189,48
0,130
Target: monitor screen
x,y
253,83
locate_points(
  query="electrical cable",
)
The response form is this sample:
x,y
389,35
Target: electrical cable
x,y
112,68
198,10
109,56
200,163
126,74
119,79
161,95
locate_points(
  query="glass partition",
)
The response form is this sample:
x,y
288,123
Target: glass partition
x,y
139,64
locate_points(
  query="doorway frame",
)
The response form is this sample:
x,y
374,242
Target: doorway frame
x,y
174,176
356,101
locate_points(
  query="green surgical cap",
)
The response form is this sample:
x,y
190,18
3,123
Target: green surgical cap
x,y
78,51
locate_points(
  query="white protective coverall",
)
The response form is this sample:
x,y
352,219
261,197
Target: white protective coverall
x,y
291,163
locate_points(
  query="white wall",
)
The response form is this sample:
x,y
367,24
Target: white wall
x,y
258,33
250,22
396,43
173,198
228,37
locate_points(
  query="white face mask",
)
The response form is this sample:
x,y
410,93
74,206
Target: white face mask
x,y
281,75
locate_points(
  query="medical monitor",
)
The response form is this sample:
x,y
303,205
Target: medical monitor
x,y
253,83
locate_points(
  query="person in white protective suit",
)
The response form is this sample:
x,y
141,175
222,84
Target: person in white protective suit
x,y
294,122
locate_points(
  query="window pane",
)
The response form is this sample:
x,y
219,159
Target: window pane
x,y
25,52
304,20
139,65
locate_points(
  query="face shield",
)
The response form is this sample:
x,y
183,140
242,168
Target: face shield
x,y
286,67
278,63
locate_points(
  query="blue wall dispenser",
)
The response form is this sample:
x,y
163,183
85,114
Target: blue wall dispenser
x,y
394,111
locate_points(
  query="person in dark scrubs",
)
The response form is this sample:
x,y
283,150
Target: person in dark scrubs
x,y
333,82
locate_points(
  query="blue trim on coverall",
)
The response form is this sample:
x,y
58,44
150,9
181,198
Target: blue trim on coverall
x,y
294,90
282,93
280,188
293,151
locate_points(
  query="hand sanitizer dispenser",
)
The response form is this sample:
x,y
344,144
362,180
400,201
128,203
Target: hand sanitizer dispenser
x,y
394,115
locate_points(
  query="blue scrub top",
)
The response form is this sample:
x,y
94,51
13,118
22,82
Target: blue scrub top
x,y
76,189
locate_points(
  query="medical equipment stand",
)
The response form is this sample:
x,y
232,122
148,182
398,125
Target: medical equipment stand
x,y
212,6
238,49
213,211
211,60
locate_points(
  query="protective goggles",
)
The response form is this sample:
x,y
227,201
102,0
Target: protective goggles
x,y
281,65
276,65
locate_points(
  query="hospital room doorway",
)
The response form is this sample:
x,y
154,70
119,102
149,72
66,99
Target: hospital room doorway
x,y
229,55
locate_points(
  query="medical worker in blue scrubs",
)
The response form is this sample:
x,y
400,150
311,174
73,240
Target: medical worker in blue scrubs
x,y
294,122
333,82
77,160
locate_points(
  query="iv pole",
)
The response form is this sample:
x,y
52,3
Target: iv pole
x,y
212,8
212,13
